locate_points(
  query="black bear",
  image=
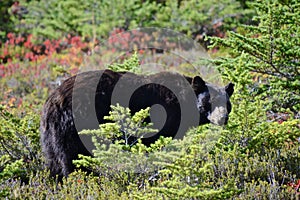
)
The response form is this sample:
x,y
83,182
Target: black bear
x,y
82,101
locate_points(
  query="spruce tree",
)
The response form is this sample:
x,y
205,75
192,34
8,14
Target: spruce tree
x,y
270,52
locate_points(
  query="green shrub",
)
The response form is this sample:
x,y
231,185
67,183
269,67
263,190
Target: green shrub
x,y
131,64
19,144
91,19
124,160
78,186
7,24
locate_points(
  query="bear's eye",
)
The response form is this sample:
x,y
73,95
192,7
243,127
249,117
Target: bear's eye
x,y
212,99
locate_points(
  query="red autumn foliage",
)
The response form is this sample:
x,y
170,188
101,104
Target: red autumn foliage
x,y
295,186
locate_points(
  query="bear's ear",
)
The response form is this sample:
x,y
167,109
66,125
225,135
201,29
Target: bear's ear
x,y
198,84
229,89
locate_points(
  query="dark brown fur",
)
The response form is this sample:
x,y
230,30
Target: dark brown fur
x,y
59,135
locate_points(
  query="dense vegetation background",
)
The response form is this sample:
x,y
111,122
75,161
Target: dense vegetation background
x,y
255,45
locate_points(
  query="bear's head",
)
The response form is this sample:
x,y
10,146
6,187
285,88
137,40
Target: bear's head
x,y
213,103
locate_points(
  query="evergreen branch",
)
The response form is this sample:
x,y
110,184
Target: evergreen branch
x,y
271,55
271,73
277,72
